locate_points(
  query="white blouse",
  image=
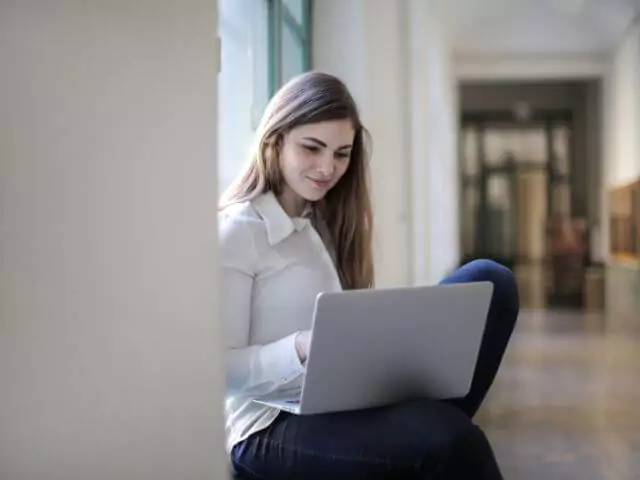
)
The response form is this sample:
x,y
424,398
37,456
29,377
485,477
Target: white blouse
x,y
273,268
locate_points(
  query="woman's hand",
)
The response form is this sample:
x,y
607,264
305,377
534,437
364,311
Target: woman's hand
x,y
303,339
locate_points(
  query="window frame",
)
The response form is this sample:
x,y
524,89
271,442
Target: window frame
x,y
279,15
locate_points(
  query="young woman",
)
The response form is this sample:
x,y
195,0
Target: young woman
x,y
297,222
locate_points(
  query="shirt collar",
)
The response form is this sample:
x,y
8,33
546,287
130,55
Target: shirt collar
x,y
279,224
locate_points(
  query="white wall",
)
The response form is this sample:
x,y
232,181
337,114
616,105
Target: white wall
x,y
397,64
621,107
623,104
109,366
433,69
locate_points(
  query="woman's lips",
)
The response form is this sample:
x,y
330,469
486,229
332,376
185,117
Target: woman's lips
x,y
320,183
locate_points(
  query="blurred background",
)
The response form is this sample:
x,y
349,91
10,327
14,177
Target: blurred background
x,y
502,129
518,116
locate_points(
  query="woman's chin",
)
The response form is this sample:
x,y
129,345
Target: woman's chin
x,y
313,194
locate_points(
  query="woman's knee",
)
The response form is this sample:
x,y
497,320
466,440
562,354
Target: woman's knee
x,y
484,269
503,279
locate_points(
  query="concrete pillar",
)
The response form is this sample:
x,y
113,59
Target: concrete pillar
x,y
110,358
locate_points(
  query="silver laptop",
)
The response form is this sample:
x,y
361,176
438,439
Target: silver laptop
x,y
376,347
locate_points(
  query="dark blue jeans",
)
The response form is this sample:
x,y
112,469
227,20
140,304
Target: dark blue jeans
x,y
423,439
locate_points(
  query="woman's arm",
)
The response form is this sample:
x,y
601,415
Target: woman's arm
x,y
251,369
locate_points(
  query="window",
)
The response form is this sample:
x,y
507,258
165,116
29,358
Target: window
x,y
264,44
243,86
289,39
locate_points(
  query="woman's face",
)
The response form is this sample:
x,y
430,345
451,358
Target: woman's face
x,y
312,160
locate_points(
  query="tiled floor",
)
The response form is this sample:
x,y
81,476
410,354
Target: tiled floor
x,y
565,404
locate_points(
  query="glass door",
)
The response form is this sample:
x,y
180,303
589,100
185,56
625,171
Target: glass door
x,y
516,179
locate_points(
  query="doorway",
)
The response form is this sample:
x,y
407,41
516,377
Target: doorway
x,y
516,182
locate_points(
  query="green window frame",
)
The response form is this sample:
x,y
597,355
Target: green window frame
x,y
280,18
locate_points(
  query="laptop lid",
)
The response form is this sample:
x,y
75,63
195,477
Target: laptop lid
x,y
375,347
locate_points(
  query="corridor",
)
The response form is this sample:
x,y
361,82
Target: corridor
x,y
564,405
500,129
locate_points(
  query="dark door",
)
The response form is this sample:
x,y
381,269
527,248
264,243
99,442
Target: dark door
x,y
516,184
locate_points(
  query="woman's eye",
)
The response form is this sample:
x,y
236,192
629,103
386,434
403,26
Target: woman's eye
x,y
343,154
311,148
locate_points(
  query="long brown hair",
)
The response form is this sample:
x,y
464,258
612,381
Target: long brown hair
x,y
346,209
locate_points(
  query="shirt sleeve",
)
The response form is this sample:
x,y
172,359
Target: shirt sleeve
x,y
251,369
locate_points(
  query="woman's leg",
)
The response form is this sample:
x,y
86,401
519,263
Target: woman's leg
x,y
422,439
500,323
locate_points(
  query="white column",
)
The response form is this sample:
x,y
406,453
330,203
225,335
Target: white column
x,y
385,112
396,58
362,41
436,139
110,363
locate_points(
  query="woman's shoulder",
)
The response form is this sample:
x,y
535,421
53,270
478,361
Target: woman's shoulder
x,y
240,231
237,213
240,216
236,220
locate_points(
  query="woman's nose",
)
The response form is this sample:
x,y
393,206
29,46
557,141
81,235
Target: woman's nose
x,y
326,165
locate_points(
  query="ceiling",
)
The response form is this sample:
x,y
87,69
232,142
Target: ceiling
x,y
538,27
